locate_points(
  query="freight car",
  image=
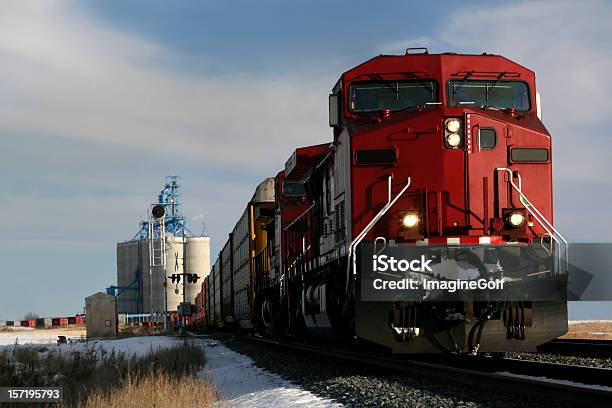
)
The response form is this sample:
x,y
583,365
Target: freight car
x,y
444,154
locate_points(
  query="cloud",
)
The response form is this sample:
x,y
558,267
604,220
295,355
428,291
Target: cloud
x,y
65,76
564,42
93,118
567,46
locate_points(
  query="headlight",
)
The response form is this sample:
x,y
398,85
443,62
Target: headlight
x,y
410,220
453,133
453,125
516,219
453,139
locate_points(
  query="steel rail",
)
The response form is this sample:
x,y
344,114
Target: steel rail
x,y
568,372
578,346
545,389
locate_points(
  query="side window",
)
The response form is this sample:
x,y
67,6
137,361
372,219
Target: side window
x,y
487,138
529,155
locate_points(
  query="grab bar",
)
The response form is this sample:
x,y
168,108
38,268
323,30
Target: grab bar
x,y
550,229
363,233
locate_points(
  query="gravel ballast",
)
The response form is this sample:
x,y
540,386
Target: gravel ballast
x,y
358,386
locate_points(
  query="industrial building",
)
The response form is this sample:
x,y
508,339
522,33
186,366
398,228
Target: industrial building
x,y
164,264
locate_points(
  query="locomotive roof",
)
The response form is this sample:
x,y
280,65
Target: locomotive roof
x,y
440,65
303,159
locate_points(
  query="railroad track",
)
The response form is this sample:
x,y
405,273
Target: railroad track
x,y
544,381
582,346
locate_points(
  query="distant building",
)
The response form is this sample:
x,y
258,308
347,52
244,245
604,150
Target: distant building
x,y
101,310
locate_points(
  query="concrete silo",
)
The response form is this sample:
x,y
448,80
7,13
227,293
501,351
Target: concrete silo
x,y
164,264
129,276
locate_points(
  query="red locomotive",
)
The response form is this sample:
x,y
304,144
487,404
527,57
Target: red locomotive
x,y
442,150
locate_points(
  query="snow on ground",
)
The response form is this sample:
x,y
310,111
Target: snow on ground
x,y
241,384
27,335
138,346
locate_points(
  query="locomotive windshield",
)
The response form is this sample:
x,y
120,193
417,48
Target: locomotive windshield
x,y
391,95
489,93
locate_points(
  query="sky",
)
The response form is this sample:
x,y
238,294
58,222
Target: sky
x,y
99,101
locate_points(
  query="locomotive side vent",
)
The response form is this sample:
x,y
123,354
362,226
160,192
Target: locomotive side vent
x,y
326,228
340,229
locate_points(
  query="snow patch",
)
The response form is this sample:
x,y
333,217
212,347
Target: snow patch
x,y
241,384
138,346
26,335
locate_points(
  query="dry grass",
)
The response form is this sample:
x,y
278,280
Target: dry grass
x,y
589,329
159,390
94,372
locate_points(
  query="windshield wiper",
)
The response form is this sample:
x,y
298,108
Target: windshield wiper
x,y
385,83
404,108
465,78
425,105
499,78
381,114
508,110
423,84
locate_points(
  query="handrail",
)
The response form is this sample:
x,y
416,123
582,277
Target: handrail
x,y
368,227
550,229
299,217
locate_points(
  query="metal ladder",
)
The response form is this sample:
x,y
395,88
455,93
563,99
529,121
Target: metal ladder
x,y
157,245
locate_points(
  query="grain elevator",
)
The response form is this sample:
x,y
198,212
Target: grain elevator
x,y
164,265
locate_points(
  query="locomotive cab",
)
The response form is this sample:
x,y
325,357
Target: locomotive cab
x,y
465,131
462,127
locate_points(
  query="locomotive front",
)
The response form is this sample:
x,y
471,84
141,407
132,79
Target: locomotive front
x,y
447,153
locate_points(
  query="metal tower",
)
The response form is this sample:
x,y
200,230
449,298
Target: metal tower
x,y
174,222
